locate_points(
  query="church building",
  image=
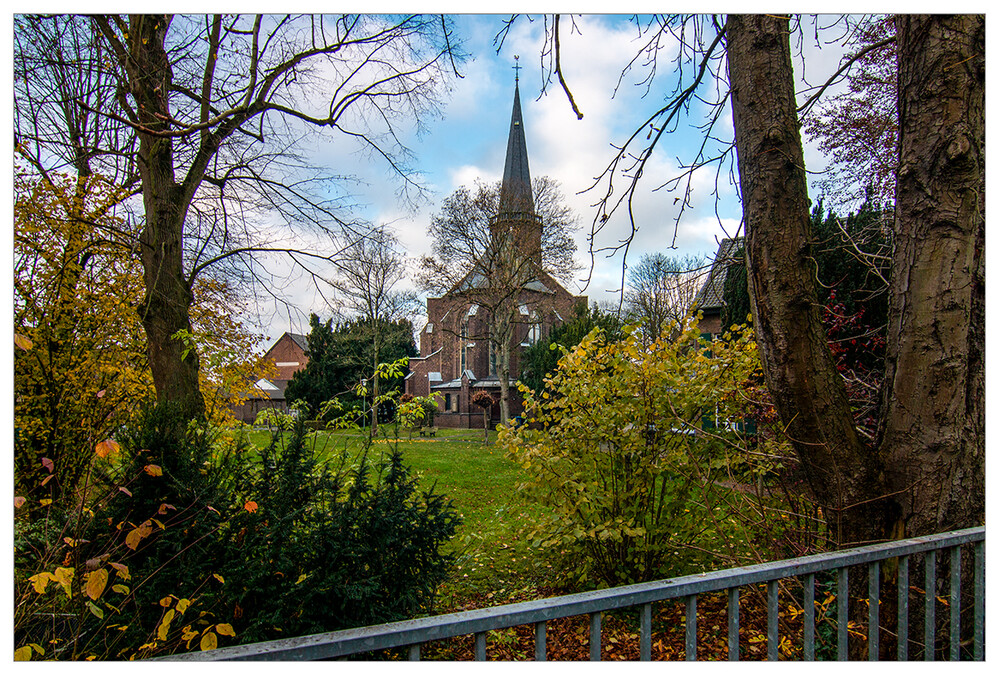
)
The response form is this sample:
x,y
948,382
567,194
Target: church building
x,y
508,293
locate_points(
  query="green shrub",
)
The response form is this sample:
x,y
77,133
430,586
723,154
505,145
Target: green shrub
x,y
186,544
613,447
331,546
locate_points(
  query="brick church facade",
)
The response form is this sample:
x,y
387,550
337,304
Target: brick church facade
x,y
458,358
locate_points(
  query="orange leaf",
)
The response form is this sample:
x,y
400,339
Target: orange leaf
x,y
250,506
106,448
19,502
97,581
47,463
153,470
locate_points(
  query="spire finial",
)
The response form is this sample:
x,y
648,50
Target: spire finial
x,y
516,68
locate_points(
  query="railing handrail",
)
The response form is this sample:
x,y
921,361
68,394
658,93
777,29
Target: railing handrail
x,y
402,633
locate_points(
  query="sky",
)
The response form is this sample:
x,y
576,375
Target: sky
x,y
468,143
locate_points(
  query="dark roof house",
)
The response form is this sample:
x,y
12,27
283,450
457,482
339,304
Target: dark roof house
x,y
710,299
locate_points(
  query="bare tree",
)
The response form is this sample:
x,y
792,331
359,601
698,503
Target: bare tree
x,y
858,129
216,108
366,282
479,263
661,291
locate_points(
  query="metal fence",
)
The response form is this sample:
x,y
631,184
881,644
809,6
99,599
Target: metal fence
x,y
798,572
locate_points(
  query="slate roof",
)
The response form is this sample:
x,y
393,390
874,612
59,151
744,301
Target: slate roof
x,y
300,340
515,192
711,295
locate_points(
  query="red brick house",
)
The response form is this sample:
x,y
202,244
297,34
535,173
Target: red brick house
x,y
288,356
457,358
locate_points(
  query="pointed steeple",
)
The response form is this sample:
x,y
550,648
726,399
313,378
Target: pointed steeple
x,y
515,192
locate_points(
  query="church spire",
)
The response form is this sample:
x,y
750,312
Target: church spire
x,y
515,192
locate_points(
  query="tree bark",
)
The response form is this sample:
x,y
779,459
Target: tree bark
x,y
165,309
933,422
807,390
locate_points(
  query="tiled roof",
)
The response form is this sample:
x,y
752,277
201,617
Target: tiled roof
x,y
711,295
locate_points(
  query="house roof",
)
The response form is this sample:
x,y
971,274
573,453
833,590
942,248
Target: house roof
x,y
300,340
712,293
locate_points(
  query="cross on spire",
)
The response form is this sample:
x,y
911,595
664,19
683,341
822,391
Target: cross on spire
x,y
516,67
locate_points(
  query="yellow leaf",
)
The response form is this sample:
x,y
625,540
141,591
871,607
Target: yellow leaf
x,y
40,581
164,628
97,581
133,538
64,575
225,629
95,610
153,470
106,448
182,605
22,342
166,602
44,502
118,588
209,641
301,578
23,653
219,577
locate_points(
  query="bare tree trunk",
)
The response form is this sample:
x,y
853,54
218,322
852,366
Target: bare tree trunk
x,y
165,310
933,422
807,389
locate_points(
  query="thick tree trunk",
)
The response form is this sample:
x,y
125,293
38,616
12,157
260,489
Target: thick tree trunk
x,y
933,425
165,310
806,388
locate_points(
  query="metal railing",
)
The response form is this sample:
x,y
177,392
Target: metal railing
x,y
414,633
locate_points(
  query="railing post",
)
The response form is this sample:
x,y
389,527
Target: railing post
x,y
690,646
772,639
414,652
873,616
645,640
480,646
595,636
903,608
930,624
808,601
955,603
842,614
540,641
979,601
733,624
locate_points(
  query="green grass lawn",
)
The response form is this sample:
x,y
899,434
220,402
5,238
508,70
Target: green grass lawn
x,y
495,562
